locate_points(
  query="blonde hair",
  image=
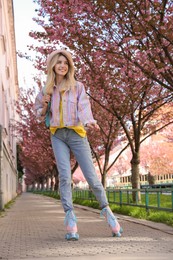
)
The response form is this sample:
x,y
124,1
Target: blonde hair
x,y
69,81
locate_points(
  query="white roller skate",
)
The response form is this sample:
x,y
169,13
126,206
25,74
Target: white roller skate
x,y
71,226
112,221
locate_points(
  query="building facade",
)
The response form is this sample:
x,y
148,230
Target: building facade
x,y
8,97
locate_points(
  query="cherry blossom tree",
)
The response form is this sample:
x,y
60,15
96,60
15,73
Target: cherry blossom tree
x,y
35,154
141,31
157,156
168,133
102,142
126,48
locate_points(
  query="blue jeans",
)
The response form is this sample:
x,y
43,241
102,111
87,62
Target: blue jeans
x,y
63,141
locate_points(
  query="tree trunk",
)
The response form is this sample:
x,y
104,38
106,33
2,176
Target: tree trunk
x,y
47,183
151,179
52,183
135,179
56,187
56,176
42,185
104,179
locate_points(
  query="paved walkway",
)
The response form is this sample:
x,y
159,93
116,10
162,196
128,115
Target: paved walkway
x,y
33,229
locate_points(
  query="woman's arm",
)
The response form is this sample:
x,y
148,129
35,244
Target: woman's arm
x,y
41,104
84,108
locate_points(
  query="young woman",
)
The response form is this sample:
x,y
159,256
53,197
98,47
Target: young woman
x,y
70,114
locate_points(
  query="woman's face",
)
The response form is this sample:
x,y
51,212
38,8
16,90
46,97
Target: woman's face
x,y
61,67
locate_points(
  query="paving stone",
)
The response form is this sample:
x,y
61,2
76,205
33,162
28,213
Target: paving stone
x,y
33,229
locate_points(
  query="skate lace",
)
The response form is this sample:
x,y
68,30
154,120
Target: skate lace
x,y
70,216
108,214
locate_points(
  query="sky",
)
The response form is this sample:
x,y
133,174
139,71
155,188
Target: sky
x,y
24,11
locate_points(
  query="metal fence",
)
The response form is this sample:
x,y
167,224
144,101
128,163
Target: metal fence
x,y
158,199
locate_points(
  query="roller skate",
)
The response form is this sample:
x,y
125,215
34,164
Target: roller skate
x,y
112,221
71,226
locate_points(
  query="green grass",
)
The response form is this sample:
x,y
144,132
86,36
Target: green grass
x,y
132,211
153,199
7,206
2,213
52,194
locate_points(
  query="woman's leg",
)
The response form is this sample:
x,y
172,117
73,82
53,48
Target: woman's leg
x,y
62,156
82,152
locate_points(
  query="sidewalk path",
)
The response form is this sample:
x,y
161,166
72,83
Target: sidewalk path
x,y
33,229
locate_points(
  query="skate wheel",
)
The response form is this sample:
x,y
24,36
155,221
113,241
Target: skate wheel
x,y
72,236
116,235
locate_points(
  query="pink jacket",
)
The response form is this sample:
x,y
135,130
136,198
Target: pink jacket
x,y
76,107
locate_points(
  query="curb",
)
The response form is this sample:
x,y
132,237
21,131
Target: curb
x,y
155,225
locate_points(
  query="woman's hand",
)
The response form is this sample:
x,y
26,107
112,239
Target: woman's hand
x,y
92,126
46,99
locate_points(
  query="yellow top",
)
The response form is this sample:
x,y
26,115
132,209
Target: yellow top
x,y
78,129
